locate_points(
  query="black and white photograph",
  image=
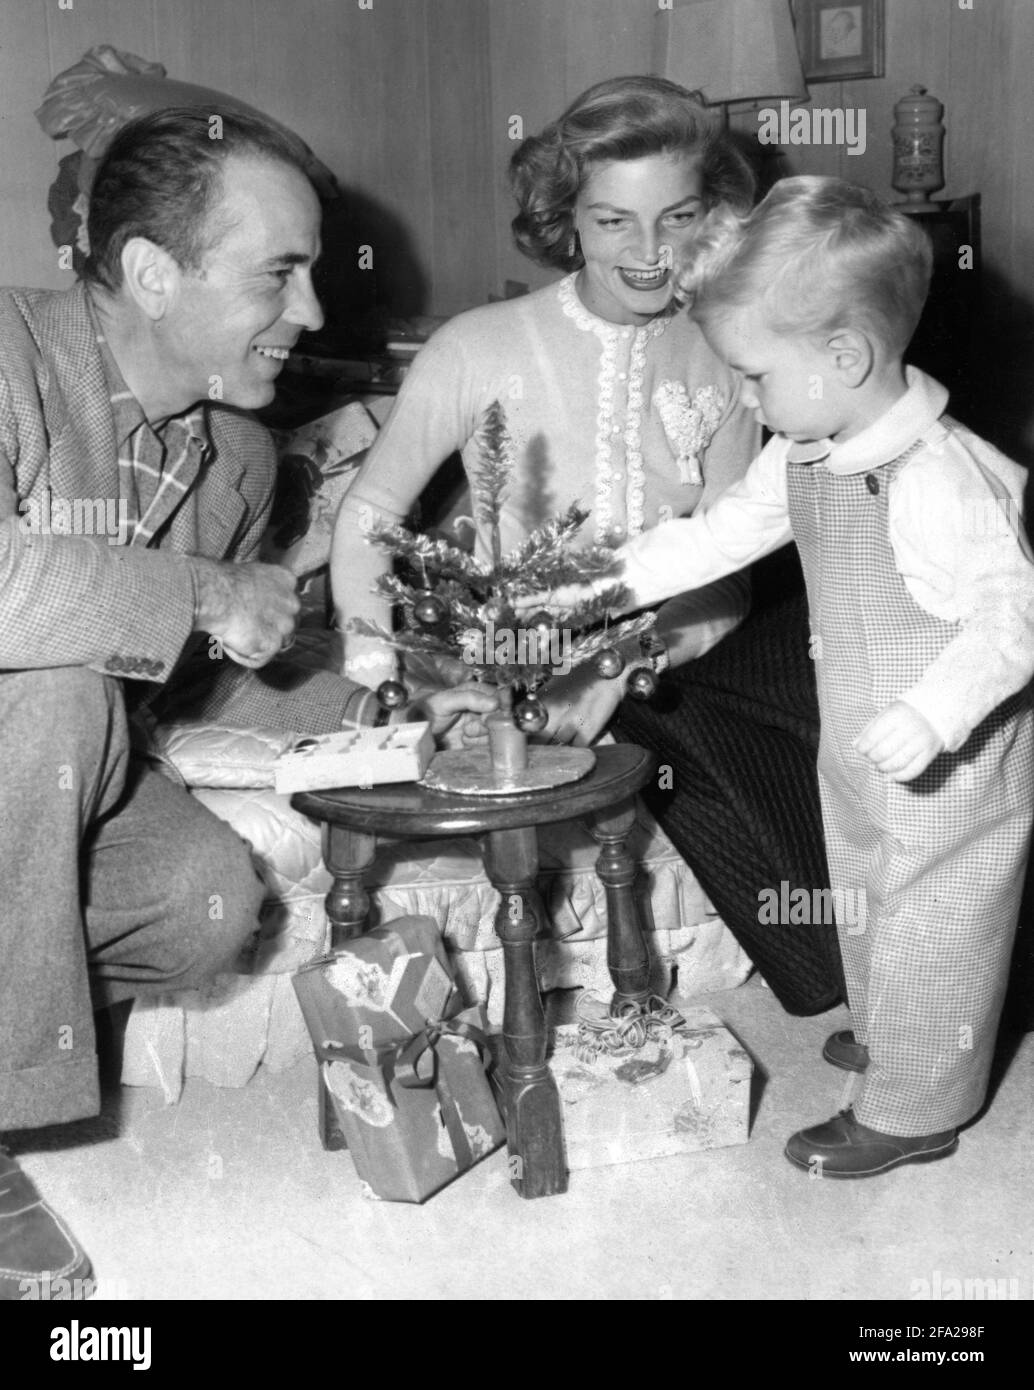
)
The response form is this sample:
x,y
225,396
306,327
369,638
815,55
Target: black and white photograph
x,y
516,667
840,41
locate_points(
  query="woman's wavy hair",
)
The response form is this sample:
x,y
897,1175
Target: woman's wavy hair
x,y
622,118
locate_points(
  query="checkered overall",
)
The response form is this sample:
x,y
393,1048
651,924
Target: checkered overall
x,y
941,858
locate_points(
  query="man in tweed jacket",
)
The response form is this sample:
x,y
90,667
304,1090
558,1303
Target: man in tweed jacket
x,y
133,495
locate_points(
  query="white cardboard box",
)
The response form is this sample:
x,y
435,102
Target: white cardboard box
x,y
356,758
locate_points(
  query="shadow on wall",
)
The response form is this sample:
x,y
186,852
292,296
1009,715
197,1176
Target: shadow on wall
x,y
369,276
1003,358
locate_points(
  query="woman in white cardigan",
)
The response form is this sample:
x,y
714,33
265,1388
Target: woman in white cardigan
x,y
612,397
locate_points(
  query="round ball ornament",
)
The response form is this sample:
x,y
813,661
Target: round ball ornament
x,y
610,663
543,624
542,629
495,611
392,694
642,683
428,609
530,715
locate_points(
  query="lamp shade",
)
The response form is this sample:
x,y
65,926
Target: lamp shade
x,y
730,50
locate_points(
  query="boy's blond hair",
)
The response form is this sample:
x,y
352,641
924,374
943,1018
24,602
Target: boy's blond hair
x,y
815,255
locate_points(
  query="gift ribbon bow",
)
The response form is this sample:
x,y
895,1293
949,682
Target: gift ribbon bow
x,y
403,1061
631,1028
409,1054
407,1073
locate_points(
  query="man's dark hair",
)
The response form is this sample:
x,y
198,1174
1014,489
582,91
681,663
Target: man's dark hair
x,y
161,178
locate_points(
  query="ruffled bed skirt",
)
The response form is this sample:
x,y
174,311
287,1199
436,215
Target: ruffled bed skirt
x,y
240,1022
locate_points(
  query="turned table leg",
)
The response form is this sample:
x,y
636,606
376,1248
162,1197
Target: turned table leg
x,y
627,957
538,1165
347,855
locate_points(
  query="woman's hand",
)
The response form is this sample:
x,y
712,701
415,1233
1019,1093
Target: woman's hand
x,y
580,706
900,742
445,710
565,596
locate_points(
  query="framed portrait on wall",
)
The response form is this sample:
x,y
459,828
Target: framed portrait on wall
x,y
839,41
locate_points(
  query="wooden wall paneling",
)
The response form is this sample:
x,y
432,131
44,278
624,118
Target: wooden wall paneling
x,y
129,26
28,157
980,117
354,83
389,147
460,119
71,32
1015,137
528,74
916,46
988,150
307,70
212,44
606,38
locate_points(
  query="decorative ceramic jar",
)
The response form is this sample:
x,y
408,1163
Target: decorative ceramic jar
x,y
918,146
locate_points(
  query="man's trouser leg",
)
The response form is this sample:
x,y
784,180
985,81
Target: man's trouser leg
x,y
109,871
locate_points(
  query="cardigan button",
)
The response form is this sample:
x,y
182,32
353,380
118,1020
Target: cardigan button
x,y
872,483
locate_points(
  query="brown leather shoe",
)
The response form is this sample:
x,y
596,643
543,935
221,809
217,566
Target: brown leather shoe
x,y
843,1148
842,1051
39,1256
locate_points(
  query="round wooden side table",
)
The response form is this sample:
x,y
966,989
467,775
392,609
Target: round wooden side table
x,y
353,818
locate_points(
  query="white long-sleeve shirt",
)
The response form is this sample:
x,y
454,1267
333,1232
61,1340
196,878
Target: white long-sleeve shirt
x,y
956,532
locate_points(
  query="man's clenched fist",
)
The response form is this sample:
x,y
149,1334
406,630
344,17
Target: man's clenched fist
x,y
251,609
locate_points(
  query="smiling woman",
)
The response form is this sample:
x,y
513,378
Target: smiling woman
x,y
613,398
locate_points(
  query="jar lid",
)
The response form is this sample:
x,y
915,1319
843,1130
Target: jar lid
x,y
918,105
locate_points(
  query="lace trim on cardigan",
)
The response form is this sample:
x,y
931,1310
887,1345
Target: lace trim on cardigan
x,y
611,336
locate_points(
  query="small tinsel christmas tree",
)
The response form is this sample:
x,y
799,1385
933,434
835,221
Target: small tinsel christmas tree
x,y
456,606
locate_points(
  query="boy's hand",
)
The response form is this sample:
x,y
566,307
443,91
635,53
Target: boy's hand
x,y
443,710
900,742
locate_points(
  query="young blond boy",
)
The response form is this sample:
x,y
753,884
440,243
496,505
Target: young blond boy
x,y
921,594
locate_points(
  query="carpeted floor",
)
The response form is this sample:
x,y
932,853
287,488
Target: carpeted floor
x,y
228,1195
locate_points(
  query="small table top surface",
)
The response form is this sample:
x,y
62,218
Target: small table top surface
x,y
408,808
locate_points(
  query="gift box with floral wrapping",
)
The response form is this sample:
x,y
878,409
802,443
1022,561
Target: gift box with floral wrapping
x,y
651,1085
401,1059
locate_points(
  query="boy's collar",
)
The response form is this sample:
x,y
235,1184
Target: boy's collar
x,y
887,438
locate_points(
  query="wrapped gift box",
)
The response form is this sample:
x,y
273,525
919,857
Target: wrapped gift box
x,y
379,988
401,1059
411,1130
675,1095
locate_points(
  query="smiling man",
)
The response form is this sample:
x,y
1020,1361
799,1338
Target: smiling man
x,y
129,390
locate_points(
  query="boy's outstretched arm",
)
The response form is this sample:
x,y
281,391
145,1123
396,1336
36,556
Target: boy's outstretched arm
x,y
748,521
